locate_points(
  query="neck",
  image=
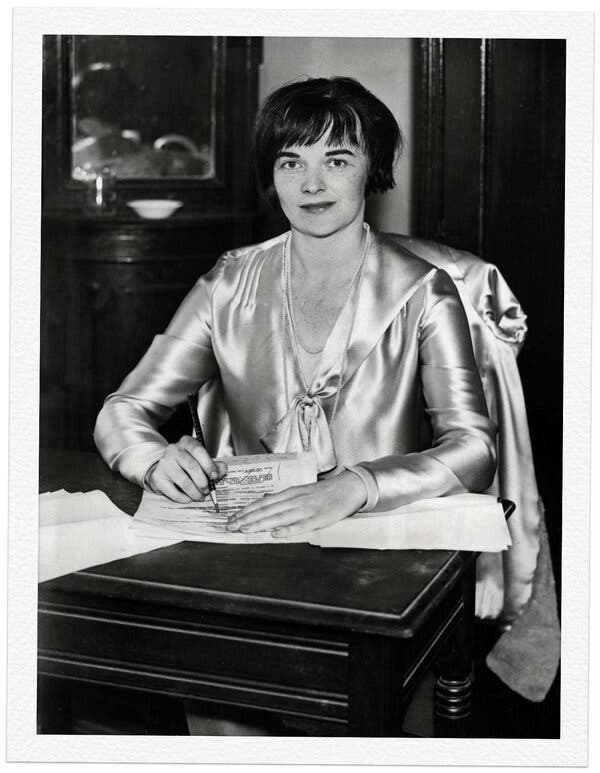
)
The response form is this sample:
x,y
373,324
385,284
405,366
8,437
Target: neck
x,y
324,254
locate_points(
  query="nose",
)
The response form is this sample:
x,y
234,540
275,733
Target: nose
x,y
313,181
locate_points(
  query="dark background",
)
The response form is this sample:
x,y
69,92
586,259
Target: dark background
x,y
490,179
488,144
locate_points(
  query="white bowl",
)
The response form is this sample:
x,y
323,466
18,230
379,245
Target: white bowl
x,y
154,209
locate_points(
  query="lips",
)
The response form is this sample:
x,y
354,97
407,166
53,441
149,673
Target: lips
x,y
317,207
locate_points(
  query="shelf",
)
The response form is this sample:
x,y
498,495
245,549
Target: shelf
x,y
178,220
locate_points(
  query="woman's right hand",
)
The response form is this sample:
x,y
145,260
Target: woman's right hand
x,y
182,473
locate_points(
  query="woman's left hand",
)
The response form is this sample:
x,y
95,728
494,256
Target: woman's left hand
x,y
304,508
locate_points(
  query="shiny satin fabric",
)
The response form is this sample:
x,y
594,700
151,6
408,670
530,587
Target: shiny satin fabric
x,y
411,408
498,329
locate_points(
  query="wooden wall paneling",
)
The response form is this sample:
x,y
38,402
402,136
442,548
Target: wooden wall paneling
x,y
54,122
489,178
249,53
429,133
451,148
524,234
53,331
461,146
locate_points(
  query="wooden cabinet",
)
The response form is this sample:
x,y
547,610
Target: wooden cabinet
x,y
110,283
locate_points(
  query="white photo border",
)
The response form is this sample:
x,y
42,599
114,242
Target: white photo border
x,y
23,744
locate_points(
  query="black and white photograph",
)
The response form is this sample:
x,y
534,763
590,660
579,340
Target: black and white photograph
x,y
306,355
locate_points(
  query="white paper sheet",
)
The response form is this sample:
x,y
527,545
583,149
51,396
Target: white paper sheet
x,y
86,529
62,507
248,478
460,522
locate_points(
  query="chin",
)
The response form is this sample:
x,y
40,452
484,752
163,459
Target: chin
x,y
319,229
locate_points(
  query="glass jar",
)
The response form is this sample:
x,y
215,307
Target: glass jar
x,y
101,192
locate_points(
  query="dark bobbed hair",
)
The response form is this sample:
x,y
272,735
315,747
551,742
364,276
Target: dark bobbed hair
x,y
300,113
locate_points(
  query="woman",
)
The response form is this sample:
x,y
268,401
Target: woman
x,y
330,338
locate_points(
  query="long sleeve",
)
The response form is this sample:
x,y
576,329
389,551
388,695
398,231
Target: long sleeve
x,y
177,363
462,455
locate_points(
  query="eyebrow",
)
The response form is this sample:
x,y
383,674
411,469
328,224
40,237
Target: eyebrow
x,y
340,152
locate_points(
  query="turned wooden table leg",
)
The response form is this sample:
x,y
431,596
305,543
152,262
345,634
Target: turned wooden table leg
x,y
452,694
452,698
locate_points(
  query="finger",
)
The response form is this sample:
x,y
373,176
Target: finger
x,y
166,487
268,500
237,520
302,526
273,521
308,523
182,480
221,468
200,454
191,467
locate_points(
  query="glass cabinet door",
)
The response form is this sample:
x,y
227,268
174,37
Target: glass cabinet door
x,y
144,106
163,116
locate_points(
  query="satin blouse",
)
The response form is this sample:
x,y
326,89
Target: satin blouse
x,y
410,409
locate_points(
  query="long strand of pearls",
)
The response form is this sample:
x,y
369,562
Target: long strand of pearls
x,y
287,310
288,289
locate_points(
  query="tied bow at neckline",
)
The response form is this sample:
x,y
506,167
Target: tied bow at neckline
x,y
304,428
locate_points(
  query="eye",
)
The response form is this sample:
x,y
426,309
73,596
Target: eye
x,y
337,163
289,164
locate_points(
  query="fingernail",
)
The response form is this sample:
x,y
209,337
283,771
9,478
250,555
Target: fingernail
x,y
275,532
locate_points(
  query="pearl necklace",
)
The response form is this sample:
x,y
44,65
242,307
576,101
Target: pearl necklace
x,y
288,290
286,307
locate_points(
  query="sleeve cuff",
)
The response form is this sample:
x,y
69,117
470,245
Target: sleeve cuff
x,y
370,484
145,485
135,462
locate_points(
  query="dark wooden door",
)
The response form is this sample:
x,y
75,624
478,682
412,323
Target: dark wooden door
x,y
490,179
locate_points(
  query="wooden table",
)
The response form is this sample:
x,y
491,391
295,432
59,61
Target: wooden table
x,y
333,640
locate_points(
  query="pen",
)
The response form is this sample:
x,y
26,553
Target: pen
x,y
200,438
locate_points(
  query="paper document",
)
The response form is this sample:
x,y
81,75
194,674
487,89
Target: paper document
x,y
248,479
86,529
61,507
460,522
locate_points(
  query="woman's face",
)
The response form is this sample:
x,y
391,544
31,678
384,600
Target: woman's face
x,y
321,187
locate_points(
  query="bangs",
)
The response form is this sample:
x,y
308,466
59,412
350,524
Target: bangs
x,y
341,110
306,122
